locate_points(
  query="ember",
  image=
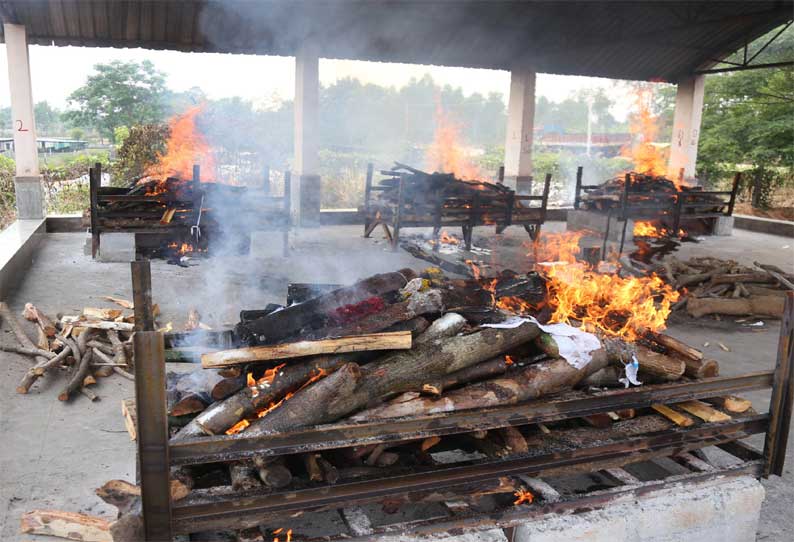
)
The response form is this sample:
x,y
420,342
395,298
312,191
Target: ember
x,y
649,229
523,497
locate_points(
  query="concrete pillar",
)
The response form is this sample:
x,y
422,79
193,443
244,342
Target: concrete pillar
x,y
520,123
27,185
306,195
686,126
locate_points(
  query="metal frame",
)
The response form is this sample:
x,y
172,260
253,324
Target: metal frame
x,y
531,218
678,206
101,195
747,63
207,511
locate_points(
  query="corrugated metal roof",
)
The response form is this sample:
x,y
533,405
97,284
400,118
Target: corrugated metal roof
x,y
650,40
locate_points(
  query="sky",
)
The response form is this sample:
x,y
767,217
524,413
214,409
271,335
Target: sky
x,y
58,71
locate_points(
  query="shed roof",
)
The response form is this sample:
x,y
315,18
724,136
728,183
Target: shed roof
x,y
650,40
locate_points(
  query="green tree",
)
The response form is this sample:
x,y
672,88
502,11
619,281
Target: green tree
x,y
138,151
119,94
48,119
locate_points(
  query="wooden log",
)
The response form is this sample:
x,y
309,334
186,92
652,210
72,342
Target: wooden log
x,y
703,411
330,472
312,467
189,403
471,493
70,525
397,372
222,415
40,368
756,306
130,414
79,373
290,320
540,379
705,368
398,340
777,276
273,473
243,476
97,324
731,403
659,365
675,345
607,377
681,420
481,371
514,440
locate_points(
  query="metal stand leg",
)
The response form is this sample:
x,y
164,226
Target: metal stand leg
x,y
780,404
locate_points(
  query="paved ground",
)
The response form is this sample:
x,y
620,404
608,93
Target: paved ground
x,y
53,454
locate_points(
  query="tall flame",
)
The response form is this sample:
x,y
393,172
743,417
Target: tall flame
x,y
186,146
445,154
644,128
609,303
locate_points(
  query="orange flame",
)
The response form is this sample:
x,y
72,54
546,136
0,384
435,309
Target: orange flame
x,y
448,239
523,496
279,531
616,306
239,426
186,146
644,128
445,153
649,229
509,360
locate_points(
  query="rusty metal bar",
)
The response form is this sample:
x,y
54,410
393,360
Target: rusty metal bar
x,y
780,404
152,434
94,181
736,180
232,511
142,295
324,437
577,196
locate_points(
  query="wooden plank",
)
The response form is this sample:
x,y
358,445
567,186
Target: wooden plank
x,y
703,411
395,340
128,410
681,420
541,487
69,525
731,403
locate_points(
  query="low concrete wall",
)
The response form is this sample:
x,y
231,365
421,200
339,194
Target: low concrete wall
x,y
764,225
18,244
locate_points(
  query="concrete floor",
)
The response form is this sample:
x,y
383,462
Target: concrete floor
x,y
53,454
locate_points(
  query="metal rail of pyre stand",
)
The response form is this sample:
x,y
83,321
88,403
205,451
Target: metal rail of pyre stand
x,y
501,209
188,211
164,519
672,207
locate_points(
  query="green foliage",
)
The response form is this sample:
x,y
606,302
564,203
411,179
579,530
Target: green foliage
x,y
7,194
138,150
748,118
76,133
48,119
119,94
120,134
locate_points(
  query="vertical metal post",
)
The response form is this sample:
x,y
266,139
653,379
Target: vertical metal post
x,y
367,195
545,201
500,176
142,295
577,195
736,180
398,213
94,180
153,456
780,404
266,181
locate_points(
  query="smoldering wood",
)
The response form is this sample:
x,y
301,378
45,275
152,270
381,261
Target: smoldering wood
x,y
243,476
397,372
291,320
222,415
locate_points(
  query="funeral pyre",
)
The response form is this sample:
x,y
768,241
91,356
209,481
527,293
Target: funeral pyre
x,y
181,200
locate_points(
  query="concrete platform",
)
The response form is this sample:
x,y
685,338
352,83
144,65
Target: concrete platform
x,y
53,454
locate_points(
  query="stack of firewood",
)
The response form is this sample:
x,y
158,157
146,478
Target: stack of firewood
x,y
83,348
713,286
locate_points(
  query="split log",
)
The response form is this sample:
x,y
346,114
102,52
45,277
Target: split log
x,y
731,403
93,313
481,371
756,306
121,494
330,472
32,314
219,417
128,410
514,440
71,525
281,324
398,340
540,379
741,277
397,372
703,411
189,403
98,324
675,345
312,467
243,476
681,420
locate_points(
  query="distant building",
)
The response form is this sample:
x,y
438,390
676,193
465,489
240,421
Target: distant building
x,y
46,145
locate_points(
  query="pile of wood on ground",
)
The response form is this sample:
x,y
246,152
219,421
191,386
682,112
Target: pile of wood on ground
x,y
95,344
713,286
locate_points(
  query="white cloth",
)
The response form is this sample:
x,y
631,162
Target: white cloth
x,y
575,345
